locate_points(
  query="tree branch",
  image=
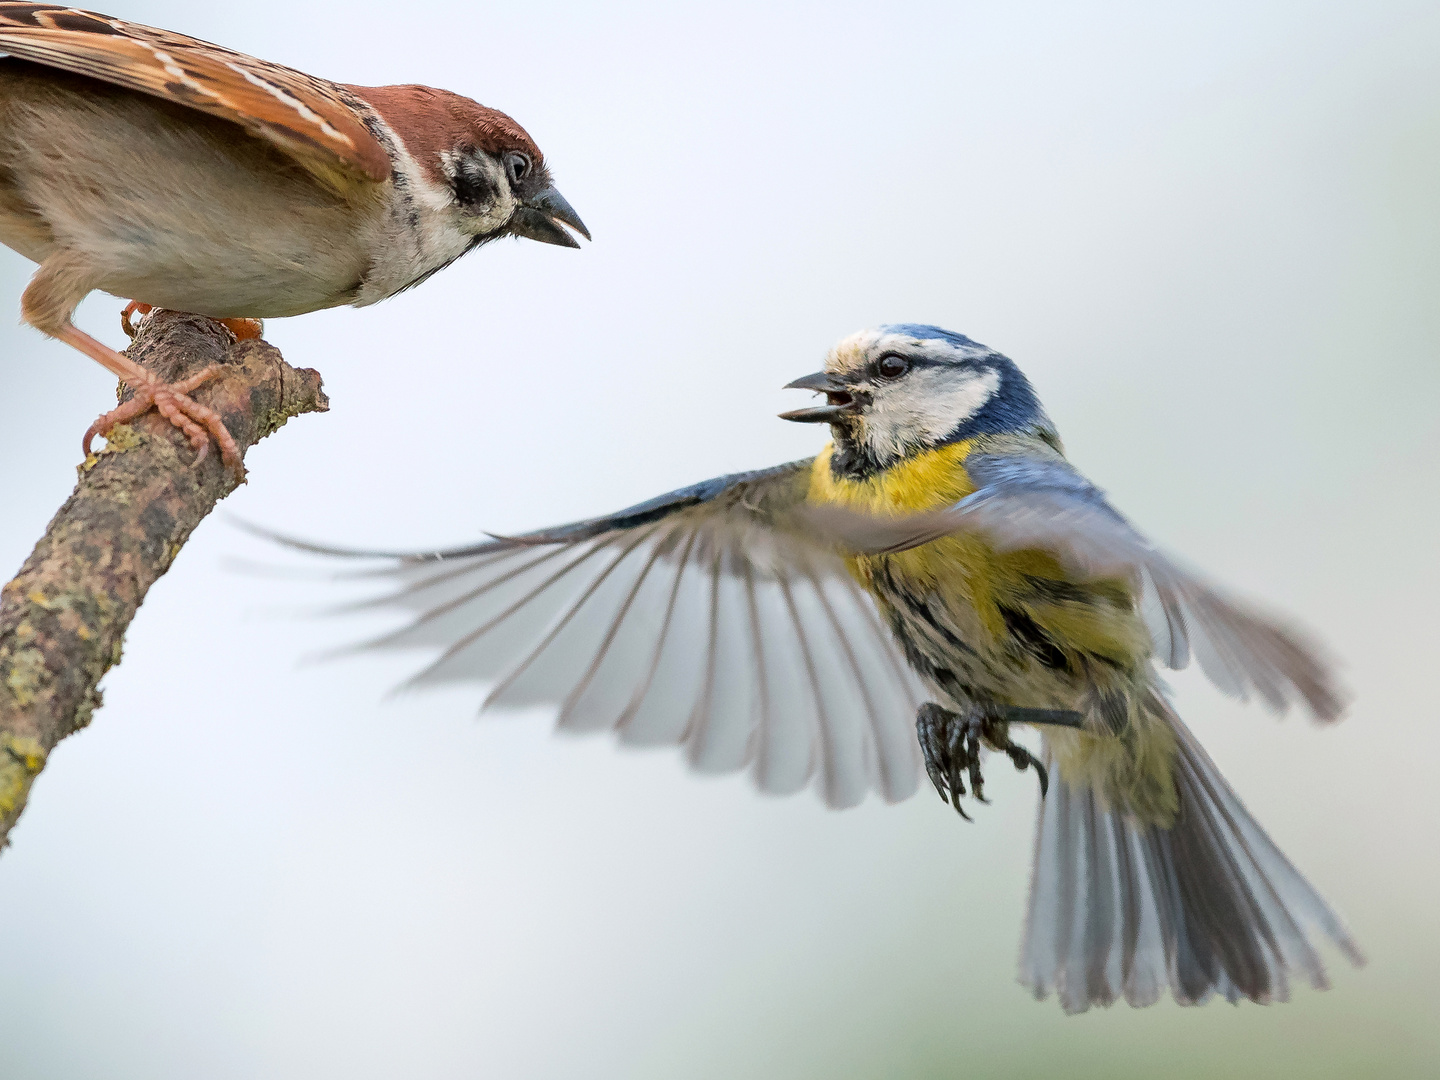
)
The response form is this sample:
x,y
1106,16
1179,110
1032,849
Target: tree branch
x,y
64,617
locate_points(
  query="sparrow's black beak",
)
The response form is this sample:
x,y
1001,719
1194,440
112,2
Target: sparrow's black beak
x,y
537,216
841,402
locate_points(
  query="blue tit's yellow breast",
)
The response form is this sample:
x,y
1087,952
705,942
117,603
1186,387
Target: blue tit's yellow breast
x,y
961,564
923,482
963,571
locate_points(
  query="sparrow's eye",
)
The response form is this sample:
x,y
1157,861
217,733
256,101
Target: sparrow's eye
x,y
891,366
519,166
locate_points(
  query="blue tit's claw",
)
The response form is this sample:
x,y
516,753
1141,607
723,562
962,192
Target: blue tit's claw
x,y
1023,759
950,745
930,728
977,781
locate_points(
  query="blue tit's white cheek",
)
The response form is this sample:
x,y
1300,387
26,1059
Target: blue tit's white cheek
x,y
947,402
925,407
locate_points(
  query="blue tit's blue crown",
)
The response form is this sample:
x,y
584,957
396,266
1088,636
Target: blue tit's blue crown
x,y
926,332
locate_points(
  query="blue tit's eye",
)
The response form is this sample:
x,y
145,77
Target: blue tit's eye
x,y
891,366
518,166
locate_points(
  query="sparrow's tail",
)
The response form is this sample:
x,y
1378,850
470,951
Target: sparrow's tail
x,y
1119,908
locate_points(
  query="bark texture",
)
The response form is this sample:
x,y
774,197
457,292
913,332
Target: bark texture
x,y
63,619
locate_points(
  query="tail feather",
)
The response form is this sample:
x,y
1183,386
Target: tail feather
x,y
1119,908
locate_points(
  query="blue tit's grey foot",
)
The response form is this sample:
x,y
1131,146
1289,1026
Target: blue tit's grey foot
x,y
950,743
1023,759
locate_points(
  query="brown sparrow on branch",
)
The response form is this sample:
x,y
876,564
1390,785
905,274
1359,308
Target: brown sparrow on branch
x,y
179,174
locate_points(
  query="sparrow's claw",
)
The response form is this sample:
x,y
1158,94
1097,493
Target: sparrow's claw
x,y
134,307
950,745
198,423
243,329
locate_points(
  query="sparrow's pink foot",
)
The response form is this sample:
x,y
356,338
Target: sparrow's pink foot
x,y
243,329
134,307
171,400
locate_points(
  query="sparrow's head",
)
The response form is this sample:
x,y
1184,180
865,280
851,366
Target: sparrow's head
x,y
895,391
476,164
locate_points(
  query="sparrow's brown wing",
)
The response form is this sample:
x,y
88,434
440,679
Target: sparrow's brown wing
x,y
305,117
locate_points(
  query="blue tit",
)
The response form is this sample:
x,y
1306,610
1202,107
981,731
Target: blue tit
x,y
940,570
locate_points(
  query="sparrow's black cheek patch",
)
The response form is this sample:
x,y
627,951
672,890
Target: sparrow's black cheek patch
x,y
472,186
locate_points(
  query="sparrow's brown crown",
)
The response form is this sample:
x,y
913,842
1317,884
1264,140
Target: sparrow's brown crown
x,y
432,122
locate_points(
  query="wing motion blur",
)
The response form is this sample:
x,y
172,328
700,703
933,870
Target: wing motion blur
x,y
1027,501
704,618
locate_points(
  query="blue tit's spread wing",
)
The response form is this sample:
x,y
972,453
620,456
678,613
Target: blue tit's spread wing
x,y
703,618
1025,501
305,117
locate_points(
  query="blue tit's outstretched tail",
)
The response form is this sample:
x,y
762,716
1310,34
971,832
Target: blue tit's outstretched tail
x,y
1120,909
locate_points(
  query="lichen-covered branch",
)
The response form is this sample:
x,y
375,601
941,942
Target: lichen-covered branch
x,y
63,619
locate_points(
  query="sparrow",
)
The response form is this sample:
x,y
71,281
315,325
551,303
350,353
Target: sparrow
x,y
179,174
936,579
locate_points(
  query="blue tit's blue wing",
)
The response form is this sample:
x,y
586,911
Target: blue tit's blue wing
x,y
1038,500
703,618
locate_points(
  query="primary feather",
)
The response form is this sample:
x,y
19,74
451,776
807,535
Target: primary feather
x,y
698,619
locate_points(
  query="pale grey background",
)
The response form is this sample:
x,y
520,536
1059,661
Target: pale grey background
x,y
1209,233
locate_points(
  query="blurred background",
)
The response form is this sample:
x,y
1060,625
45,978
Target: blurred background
x,y
1209,233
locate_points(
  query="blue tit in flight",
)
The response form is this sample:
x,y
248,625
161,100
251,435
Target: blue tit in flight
x,y
939,569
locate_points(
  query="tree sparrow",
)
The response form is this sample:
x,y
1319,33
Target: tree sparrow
x,y
176,173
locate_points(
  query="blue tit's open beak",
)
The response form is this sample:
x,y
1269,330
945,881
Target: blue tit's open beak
x,y
540,217
841,402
